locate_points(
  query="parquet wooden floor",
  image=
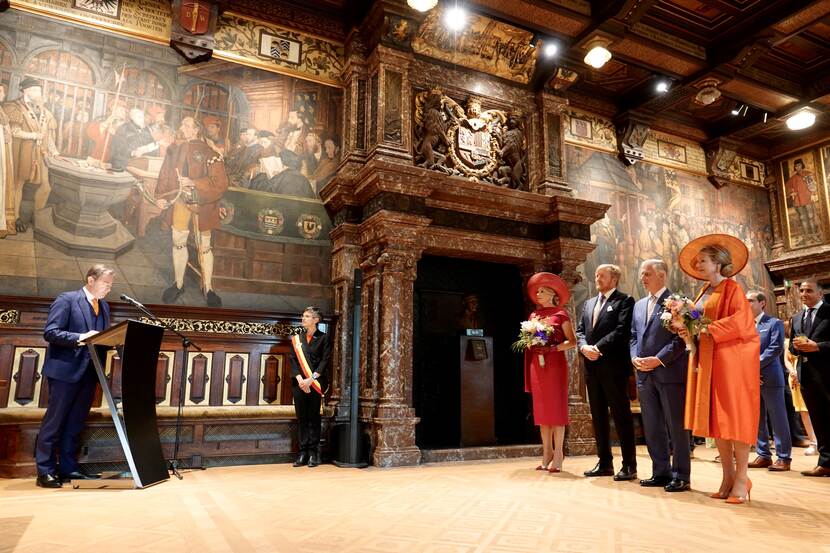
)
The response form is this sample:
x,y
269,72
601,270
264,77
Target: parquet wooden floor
x,y
481,506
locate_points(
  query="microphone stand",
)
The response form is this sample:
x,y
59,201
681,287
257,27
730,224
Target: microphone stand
x,y
173,464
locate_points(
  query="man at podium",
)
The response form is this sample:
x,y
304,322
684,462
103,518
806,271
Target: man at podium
x,y
73,317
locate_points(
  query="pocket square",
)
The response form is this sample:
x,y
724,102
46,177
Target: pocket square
x,y
610,309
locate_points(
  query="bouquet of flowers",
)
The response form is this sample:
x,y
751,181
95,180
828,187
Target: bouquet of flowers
x,y
681,312
538,332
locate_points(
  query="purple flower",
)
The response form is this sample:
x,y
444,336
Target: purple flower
x,y
694,314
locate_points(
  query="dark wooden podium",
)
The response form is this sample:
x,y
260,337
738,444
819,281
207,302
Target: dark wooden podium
x,y
136,423
478,427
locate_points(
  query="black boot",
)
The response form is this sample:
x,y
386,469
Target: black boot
x,y
302,458
171,294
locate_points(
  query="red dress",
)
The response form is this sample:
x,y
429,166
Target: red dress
x,y
549,384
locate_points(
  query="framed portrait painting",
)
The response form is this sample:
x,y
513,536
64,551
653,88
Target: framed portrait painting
x,y
803,198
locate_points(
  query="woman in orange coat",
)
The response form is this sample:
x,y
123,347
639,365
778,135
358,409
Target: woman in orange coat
x,y
723,391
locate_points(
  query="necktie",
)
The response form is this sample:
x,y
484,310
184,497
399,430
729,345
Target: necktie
x,y
597,309
95,306
807,326
652,301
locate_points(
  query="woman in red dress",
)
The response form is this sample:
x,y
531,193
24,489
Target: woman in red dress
x,y
546,369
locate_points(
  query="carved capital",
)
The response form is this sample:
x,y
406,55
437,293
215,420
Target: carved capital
x,y
720,154
632,131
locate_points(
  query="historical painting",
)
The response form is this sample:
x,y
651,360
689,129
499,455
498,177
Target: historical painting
x,y
200,184
656,210
802,197
109,8
671,151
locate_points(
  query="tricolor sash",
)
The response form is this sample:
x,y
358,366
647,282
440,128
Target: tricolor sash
x,y
297,344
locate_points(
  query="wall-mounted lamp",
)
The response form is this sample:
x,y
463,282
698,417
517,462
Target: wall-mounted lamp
x,y
598,54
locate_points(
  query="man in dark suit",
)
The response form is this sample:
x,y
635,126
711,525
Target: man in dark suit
x,y
73,317
771,331
661,362
603,333
310,360
811,342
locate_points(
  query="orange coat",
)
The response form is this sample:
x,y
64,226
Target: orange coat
x,y
723,393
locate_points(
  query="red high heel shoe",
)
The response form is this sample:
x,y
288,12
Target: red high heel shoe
x,y
738,500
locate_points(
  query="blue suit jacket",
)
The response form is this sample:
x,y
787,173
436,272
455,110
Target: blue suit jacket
x,y
771,331
650,339
69,316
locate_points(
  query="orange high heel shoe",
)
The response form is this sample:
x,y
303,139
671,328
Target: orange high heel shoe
x,y
738,500
718,495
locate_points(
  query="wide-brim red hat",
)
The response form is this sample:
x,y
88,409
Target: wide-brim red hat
x,y
737,250
548,280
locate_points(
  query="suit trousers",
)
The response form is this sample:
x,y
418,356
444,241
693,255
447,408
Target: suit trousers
x,y
69,404
797,431
608,389
307,408
774,407
662,411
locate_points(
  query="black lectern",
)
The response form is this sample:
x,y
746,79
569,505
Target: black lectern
x,y
136,425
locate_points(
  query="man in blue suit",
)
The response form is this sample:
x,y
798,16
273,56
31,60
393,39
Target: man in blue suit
x,y
771,331
73,317
661,362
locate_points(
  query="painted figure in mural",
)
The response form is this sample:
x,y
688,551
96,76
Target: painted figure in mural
x,y
33,141
213,133
73,317
800,188
74,140
191,182
132,140
100,133
245,155
326,164
292,134
6,171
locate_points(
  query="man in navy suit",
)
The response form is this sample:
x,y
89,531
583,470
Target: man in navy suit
x,y
771,331
73,317
602,334
811,342
661,362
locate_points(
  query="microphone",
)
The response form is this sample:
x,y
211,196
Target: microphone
x,y
131,301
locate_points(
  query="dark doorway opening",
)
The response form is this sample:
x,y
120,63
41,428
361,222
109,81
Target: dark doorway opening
x,y
440,289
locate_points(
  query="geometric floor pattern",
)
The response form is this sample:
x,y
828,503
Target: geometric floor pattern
x,y
476,506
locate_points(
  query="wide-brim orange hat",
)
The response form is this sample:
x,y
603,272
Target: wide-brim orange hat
x,y
737,250
548,280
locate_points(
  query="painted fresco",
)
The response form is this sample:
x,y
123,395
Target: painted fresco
x,y
200,184
802,196
656,210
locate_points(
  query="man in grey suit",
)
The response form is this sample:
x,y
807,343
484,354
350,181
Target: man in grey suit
x,y
661,362
602,334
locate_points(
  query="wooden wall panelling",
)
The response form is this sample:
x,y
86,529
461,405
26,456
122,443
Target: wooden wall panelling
x,y
235,378
26,378
198,378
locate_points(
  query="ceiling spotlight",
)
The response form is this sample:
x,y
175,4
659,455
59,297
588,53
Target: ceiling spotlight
x,y
737,110
421,5
550,49
662,86
598,55
455,18
801,120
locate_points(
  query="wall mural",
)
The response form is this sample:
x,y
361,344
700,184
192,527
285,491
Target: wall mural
x,y
656,210
802,195
200,184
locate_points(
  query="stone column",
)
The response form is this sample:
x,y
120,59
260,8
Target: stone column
x,y
390,271
344,260
771,184
548,175
355,104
